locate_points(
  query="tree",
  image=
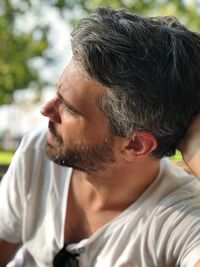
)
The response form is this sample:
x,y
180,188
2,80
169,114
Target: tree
x,y
17,48
188,11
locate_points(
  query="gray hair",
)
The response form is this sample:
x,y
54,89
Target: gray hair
x,y
150,68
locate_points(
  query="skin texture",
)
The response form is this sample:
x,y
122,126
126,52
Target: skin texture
x,y
155,62
97,195
6,251
90,192
74,117
190,147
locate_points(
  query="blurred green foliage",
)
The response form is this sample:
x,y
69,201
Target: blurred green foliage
x,y
188,11
5,157
18,48
16,51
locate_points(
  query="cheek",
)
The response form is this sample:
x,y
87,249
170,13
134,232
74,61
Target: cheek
x,y
82,131
99,129
71,130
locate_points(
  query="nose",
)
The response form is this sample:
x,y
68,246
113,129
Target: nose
x,y
51,110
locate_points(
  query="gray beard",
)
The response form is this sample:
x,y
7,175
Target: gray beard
x,y
85,158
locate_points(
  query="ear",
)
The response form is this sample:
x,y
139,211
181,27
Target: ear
x,y
140,145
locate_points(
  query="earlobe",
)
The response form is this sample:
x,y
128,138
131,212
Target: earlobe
x,y
140,145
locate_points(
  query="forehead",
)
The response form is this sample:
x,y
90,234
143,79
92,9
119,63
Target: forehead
x,y
75,81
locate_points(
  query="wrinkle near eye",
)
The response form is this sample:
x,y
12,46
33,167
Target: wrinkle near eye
x,y
67,109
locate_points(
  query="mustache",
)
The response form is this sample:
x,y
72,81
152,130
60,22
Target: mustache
x,y
52,130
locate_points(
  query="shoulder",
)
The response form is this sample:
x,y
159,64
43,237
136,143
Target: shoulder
x,y
177,213
34,140
31,170
178,182
179,192
28,157
173,187
30,152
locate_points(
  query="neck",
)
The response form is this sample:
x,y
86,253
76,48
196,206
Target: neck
x,y
115,187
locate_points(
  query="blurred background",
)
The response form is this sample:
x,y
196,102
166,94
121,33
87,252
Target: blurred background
x,y
35,47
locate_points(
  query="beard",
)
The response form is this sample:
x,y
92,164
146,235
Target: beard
x,y
90,158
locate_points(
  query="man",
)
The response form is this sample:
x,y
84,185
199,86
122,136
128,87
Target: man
x,y
124,102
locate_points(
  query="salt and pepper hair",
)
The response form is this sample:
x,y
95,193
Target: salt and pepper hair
x,y
150,68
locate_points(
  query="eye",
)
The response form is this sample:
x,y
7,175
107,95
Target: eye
x,y
68,109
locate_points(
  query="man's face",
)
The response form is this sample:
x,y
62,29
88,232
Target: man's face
x,y
78,135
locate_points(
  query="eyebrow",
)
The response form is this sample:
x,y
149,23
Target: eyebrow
x,y
68,105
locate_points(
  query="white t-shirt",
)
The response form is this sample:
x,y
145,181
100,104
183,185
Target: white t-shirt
x,y
160,229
